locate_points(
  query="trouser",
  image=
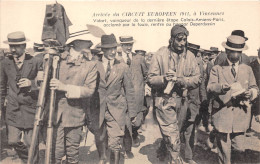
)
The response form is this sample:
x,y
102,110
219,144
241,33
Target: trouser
x,y
113,131
188,133
167,119
224,143
127,140
66,142
14,140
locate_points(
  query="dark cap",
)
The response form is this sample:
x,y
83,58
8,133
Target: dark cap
x,y
239,33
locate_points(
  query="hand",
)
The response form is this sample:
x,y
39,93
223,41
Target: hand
x,y
257,118
57,85
226,87
170,75
248,94
24,82
133,120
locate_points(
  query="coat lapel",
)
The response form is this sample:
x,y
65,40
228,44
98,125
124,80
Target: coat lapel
x,y
27,66
113,72
227,73
101,70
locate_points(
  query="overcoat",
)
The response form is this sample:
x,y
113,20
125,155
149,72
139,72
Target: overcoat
x,y
230,117
21,102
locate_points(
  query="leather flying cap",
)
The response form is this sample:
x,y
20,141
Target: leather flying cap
x,y
178,29
17,37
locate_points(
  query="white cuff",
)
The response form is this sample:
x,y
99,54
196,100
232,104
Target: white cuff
x,y
254,93
73,92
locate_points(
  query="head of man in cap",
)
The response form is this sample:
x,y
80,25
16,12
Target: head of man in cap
x,y
17,43
126,43
214,52
140,52
194,48
109,46
178,40
234,46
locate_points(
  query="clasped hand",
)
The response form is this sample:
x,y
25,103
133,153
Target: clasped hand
x,y
57,85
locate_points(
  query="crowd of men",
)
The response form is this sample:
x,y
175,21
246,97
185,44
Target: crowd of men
x,y
109,89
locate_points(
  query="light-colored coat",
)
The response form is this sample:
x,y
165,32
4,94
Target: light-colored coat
x,y
228,118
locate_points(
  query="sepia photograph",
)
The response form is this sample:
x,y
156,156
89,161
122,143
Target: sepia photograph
x,y
129,82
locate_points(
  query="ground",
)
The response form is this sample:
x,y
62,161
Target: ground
x,y
146,152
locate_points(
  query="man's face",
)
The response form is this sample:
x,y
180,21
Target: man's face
x,y
214,55
179,42
205,57
17,50
127,47
233,56
110,53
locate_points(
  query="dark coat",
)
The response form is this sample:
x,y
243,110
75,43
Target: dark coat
x,y
222,57
230,117
21,103
116,95
256,69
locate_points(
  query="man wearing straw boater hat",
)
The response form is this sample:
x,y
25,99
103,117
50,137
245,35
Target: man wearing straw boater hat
x,y
221,58
138,71
112,101
75,84
18,73
173,73
234,86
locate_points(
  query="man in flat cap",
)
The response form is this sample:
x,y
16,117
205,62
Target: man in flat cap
x,y
112,101
75,84
138,69
18,73
234,86
173,73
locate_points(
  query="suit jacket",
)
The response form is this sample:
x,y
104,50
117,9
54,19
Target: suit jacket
x,y
116,95
189,72
78,75
230,117
256,69
138,70
21,103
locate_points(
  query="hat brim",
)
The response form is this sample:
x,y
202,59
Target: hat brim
x,y
16,43
133,41
108,45
234,49
194,48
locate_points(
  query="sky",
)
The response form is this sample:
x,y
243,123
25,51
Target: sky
x,y
28,16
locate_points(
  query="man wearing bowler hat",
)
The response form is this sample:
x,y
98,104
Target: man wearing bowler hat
x,y
75,84
18,73
138,69
112,101
173,73
234,86
221,58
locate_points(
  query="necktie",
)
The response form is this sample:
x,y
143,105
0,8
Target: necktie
x,y
108,70
233,71
18,63
128,62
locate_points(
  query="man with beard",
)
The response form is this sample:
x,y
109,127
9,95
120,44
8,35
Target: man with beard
x,y
234,86
18,73
173,73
